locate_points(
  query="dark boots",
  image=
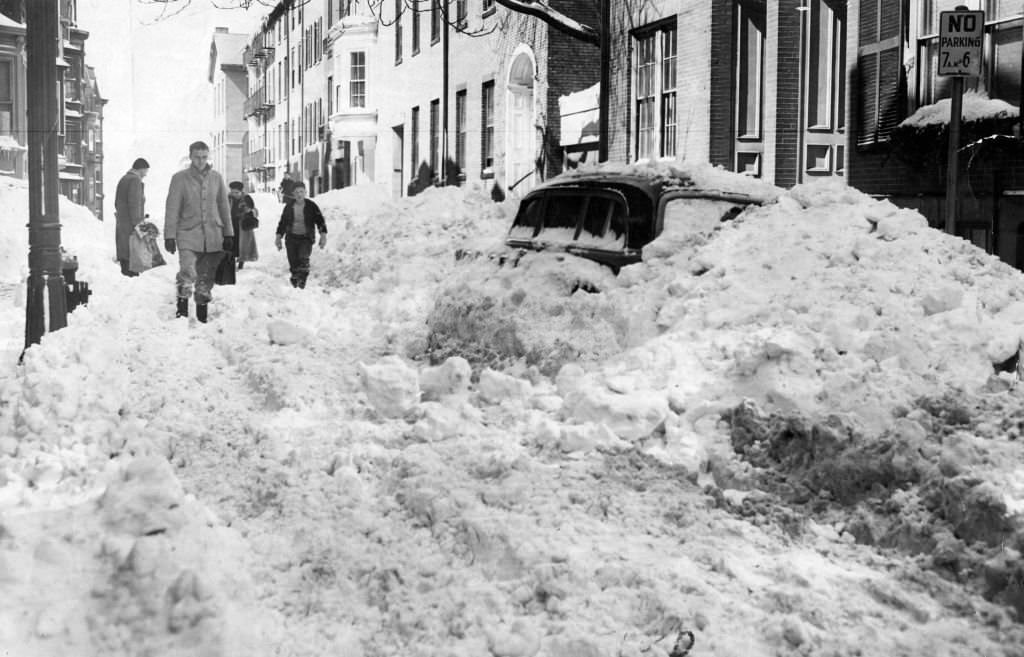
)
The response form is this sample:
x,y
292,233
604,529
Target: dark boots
x,y
125,271
182,308
201,312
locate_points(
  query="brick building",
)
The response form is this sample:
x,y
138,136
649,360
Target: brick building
x,y
896,54
92,145
756,86
489,108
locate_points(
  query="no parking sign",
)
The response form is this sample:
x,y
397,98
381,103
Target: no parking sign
x,y
961,37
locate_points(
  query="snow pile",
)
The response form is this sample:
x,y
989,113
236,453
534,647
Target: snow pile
x,y
976,107
825,300
282,480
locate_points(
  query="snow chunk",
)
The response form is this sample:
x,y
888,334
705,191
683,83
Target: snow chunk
x,y
391,386
630,416
449,378
589,436
495,387
146,499
286,333
943,299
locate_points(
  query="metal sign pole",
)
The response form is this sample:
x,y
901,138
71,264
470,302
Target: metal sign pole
x,y
46,290
961,37
953,154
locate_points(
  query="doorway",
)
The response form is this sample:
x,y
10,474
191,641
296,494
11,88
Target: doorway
x,y
520,138
397,157
824,89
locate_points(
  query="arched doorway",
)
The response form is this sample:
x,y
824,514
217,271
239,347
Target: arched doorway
x,y
519,137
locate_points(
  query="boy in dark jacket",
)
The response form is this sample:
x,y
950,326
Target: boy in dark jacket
x,y
299,222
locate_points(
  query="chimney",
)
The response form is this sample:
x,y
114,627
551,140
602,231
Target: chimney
x,y
222,30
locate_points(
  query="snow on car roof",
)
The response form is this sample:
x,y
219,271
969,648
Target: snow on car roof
x,y
670,173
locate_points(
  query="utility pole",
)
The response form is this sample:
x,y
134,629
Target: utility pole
x,y
46,306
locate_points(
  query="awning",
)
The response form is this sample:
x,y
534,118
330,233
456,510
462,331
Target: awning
x,y
66,175
579,116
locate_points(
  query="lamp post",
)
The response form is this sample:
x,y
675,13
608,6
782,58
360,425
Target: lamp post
x,y
45,307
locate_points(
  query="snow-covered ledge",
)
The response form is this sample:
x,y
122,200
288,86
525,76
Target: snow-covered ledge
x,y
976,107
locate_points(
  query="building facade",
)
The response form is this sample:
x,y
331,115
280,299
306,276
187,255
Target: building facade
x,y
896,51
92,145
13,133
227,75
286,107
755,86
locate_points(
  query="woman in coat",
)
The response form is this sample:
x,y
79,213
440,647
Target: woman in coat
x,y
244,219
129,210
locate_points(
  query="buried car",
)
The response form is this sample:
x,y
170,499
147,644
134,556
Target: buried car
x,y
609,213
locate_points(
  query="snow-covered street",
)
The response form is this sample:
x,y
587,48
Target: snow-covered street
x,y
785,434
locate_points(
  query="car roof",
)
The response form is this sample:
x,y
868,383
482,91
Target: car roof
x,y
649,187
655,186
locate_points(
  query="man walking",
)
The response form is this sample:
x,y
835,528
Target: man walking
x,y
129,210
287,188
299,222
197,222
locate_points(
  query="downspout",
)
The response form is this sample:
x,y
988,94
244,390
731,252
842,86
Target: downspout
x,y
444,99
604,92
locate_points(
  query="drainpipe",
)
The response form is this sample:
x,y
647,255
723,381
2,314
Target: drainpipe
x,y
444,97
604,92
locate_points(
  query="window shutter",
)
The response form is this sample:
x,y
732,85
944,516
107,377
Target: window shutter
x,y
880,70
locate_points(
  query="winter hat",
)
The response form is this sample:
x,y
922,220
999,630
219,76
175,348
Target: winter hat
x,y
236,185
140,163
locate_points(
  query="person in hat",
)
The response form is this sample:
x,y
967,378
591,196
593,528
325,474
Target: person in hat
x,y
197,224
129,210
244,219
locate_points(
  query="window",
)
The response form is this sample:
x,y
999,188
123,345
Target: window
x,y
460,130
415,27
656,92
461,11
750,69
330,95
435,122
488,7
398,31
415,147
435,20
487,128
357,81
1001,67
826,63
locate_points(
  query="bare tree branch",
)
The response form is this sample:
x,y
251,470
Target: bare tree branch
x,y
553,17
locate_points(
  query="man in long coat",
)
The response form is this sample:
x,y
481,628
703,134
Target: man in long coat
x,y
197,223
129,210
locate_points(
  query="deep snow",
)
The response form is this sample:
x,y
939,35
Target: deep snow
x,y
295,478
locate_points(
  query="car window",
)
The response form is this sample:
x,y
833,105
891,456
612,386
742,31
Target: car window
x,y
697,216
527,220
596,218
563,211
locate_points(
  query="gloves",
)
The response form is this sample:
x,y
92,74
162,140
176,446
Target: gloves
x,y
229,243
170,245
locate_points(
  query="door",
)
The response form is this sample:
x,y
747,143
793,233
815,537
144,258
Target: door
x,y
521,137
824,68
397,171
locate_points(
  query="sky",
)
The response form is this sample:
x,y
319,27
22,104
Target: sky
x,y
153,71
